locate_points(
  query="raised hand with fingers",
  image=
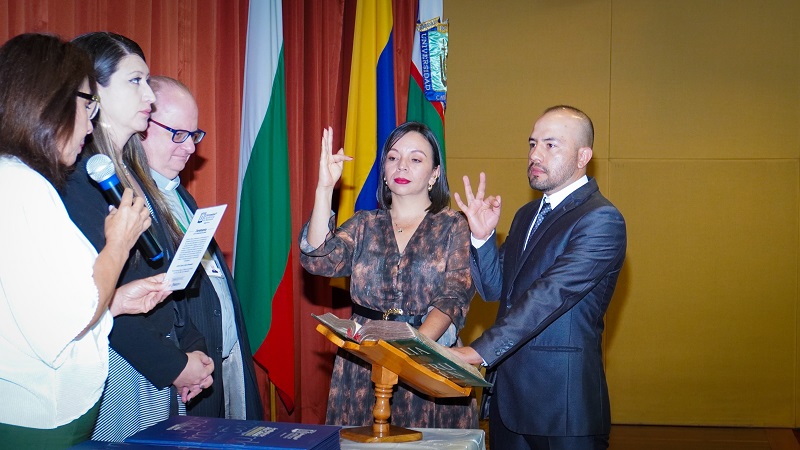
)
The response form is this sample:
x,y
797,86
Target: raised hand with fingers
x,y
483,214
331,166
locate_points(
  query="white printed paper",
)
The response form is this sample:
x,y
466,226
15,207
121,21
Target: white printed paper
x,y
193,246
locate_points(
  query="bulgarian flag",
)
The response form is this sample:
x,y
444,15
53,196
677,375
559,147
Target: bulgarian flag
x,y
263,256
428,110
370,106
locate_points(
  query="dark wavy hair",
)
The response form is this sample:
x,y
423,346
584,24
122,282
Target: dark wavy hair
x,y
440,193
39,76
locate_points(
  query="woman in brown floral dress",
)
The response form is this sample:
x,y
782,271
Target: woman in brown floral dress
x,y
410,257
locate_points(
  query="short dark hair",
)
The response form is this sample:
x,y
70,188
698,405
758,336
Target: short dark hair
x,y
588,126
39,76
440,193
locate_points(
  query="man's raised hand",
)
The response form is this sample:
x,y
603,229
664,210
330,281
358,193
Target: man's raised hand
x,y
483,214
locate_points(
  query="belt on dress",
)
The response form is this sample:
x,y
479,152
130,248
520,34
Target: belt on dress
x,y
390,314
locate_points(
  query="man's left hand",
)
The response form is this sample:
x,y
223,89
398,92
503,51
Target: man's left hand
x,y
468,354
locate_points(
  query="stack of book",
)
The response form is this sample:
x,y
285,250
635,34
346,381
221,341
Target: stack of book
x,y
203,432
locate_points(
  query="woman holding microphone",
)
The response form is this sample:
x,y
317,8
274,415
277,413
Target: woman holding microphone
x,y
57,294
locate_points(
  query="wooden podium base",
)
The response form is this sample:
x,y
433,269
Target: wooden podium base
x,y
367,434
388,365
381,430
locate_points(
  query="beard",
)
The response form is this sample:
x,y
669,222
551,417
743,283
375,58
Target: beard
x,y
549,180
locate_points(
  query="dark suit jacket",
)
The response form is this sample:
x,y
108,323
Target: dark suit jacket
x,y
546,342
205,312
142,339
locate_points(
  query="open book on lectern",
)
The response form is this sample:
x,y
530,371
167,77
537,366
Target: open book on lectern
x,y
420,348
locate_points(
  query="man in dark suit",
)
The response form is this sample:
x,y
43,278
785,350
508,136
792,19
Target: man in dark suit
x,y
211,299
554,276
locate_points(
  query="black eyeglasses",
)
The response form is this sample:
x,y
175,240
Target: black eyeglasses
x,y
94,103
178,136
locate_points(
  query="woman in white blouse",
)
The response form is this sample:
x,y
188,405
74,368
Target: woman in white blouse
x,y
57,294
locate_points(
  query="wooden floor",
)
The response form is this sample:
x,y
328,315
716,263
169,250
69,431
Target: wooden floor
x,y
631,437
637,437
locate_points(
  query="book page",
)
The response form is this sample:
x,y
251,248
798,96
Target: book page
x,y
344,328
387,330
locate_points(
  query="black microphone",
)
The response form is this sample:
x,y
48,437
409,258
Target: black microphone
x,y
101,169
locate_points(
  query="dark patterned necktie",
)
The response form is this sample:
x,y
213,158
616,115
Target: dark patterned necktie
x,y
543,211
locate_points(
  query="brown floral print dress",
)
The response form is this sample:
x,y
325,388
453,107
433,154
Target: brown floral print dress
x,y
433,271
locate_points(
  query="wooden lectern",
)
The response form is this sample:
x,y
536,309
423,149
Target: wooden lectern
x,y
388,365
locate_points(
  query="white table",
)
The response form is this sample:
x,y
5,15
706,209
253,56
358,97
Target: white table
x,y
433,438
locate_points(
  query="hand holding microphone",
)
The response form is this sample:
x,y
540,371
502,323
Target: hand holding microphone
x,y
131,217
127,221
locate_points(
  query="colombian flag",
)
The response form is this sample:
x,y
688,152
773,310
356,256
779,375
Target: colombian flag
x,y
370,107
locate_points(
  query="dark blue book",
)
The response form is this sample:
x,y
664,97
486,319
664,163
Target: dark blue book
x,y
206,432
100,445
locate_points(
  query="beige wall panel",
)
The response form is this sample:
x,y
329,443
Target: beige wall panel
x,y
598,169
705,79
510,60
505,177
702,329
